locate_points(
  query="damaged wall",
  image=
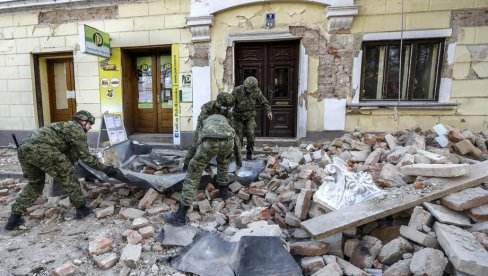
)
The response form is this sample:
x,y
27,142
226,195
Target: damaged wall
x,y
464,62
329,55
129,24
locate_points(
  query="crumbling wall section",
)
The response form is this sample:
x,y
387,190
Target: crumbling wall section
x,y
228,65
472,55
199,54
76,15
335,53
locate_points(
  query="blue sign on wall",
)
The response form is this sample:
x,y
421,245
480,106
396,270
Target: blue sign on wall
x,y
270,20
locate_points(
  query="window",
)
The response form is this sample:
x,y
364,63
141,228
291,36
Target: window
x,y
418,77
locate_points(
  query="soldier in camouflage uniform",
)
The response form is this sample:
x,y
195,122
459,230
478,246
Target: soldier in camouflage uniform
x,y
221,106
216,138
246,96
53,149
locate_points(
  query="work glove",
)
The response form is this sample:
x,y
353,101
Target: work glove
x,y
110,171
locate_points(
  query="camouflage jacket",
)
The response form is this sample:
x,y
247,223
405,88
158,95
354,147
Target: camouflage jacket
x,y
216,126
245,105
208,109
67,138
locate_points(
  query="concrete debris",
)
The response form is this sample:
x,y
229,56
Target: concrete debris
x,y
294,185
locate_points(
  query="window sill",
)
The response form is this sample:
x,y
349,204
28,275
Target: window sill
x,y
402,105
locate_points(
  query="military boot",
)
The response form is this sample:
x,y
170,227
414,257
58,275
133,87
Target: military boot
x,y
249,155
83,211
13,221
178,218
224,192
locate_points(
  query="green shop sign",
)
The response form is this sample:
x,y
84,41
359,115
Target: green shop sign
x,y
93,41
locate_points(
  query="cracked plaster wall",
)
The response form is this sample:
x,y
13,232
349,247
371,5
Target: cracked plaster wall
x,y
129,23
330,55
251,19
464,64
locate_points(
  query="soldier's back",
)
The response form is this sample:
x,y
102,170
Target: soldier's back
x,y
217,126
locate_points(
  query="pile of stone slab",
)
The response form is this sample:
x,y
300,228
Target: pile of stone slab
x,y
446,236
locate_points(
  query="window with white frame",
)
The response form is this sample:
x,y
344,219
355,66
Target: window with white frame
x,y
418,73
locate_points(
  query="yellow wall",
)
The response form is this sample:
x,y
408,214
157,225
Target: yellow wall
x,y
250,19
470,94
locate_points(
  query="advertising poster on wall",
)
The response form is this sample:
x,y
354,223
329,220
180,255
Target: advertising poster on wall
x,y
110,83
176,96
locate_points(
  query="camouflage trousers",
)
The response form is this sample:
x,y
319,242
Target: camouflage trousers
x,y
36,161
246,127
207,149
191,150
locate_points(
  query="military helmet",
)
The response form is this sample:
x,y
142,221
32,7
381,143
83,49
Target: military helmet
x,y
225,99
250,83
85,116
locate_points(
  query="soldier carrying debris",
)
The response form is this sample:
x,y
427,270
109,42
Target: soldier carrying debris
x,y
246,96
221,106
53,149
216,138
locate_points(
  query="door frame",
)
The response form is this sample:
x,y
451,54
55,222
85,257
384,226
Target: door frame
x,y
70,83
265,68
41,92
128,55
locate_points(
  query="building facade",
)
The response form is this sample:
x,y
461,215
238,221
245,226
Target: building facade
x,y
328,65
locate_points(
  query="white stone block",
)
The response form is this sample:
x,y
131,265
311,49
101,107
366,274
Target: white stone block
x,y
133,10
84,83
17,59
19,85
14,32
52,42
164,36
119,25
132,39
149,23
22,19
22,110
174,21
9,72
66,29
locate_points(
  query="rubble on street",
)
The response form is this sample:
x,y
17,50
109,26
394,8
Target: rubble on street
x,y
399,203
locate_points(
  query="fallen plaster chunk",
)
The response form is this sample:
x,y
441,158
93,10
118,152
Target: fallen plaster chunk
x,y
462,249
436,170
433,157
428,261
446,215
257,228
466,199
343,188
442,132
417,236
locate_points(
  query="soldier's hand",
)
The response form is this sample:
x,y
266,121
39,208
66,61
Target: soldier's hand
x,y
110,171
270,116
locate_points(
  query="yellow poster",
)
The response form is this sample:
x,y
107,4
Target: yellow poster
x,y
110,82
175,92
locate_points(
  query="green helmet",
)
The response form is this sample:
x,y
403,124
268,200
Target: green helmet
x,y
225,99
250,83
85,116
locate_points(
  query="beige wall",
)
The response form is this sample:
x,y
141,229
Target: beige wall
x,y
164,22
467,91
137,24
250,19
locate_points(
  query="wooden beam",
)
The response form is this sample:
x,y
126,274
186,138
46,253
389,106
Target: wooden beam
x,y
397,200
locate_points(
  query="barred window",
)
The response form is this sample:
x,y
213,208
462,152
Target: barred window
x,y
418,77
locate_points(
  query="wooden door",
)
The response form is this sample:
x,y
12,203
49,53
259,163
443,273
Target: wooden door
x,y
61,85
275,65
152,94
